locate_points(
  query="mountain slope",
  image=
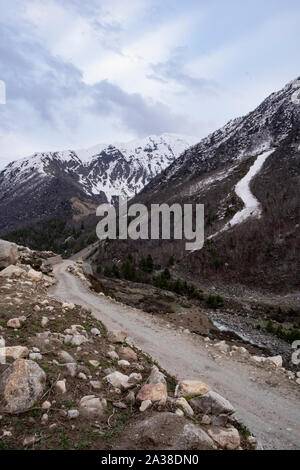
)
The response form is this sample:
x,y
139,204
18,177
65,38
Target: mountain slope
x,y
262,248
71,184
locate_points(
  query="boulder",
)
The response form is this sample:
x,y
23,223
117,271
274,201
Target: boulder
x,y
35,275
21,385
227,438
14,352
117,336
212,404
194,438
191,388
9,254
93,407
156,376
154,392
12,272
118,380
127,354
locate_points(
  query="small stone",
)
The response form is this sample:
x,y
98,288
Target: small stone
x,y
15,323
82,376
71,369
68,306
227,438
92,407
153,392
298,381
130,398
145,405
95,332
44,322
14,352
276,360
66,358
179,412
123,363
135,378
35,356
127,354
206,420
37,308
191,388
60,386
182,403
29,440
46,405
112,355
118,380
73,414
35,275
117,336
45,419
94,363
96,384
156,376
120,405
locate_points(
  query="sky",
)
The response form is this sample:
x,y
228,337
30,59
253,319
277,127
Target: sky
x,y
79,73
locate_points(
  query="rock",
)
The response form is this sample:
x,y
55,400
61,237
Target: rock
x,y
21,385
120,405
96,384
182,403
252,441
206,420
73,414
222,346
153,392
95,332
227,438
66,358
117,336
276,360
258,359
35,356
71,369
15,323
68,306
37,308
9,254
179,412
44,419
82,376
118,380
92,407
12,272
94,363
156,376
123,363
77,340
127,354
135,378
220,420
212,404
46,405
14,352
298,381
112,355
145,405
30,440
60,386
44,322
298,375
194,438
191,388
35,275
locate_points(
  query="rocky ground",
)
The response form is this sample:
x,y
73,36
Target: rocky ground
x,y
67,383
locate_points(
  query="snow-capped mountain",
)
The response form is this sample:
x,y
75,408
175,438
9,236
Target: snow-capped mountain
x,y
45,183
247,176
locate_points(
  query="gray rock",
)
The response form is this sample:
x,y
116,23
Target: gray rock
x,y
21,385
227,438
71,369
73,414
92,407
212,404
156,376
194,438
95,332
66,358
9,254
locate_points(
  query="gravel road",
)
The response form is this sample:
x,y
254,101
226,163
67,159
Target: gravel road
x,y
265,401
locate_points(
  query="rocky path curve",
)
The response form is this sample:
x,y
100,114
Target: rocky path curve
x,y
266,402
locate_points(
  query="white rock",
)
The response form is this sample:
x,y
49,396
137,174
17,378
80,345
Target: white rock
x,y
44,322
35,275
145,405
118,380
45,418
95,332
276,360
14,352
82,376
46,405
35,356
68,306
123,363
73,414
12,272
112,355
60,386
182,403
92,407
179,412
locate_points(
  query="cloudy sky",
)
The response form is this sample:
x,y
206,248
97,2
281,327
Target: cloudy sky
x,y
79,72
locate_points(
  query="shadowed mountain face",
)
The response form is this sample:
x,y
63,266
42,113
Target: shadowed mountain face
x,y
69,185
262,249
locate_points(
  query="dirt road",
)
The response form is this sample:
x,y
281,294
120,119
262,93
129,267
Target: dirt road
x,y
266,402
